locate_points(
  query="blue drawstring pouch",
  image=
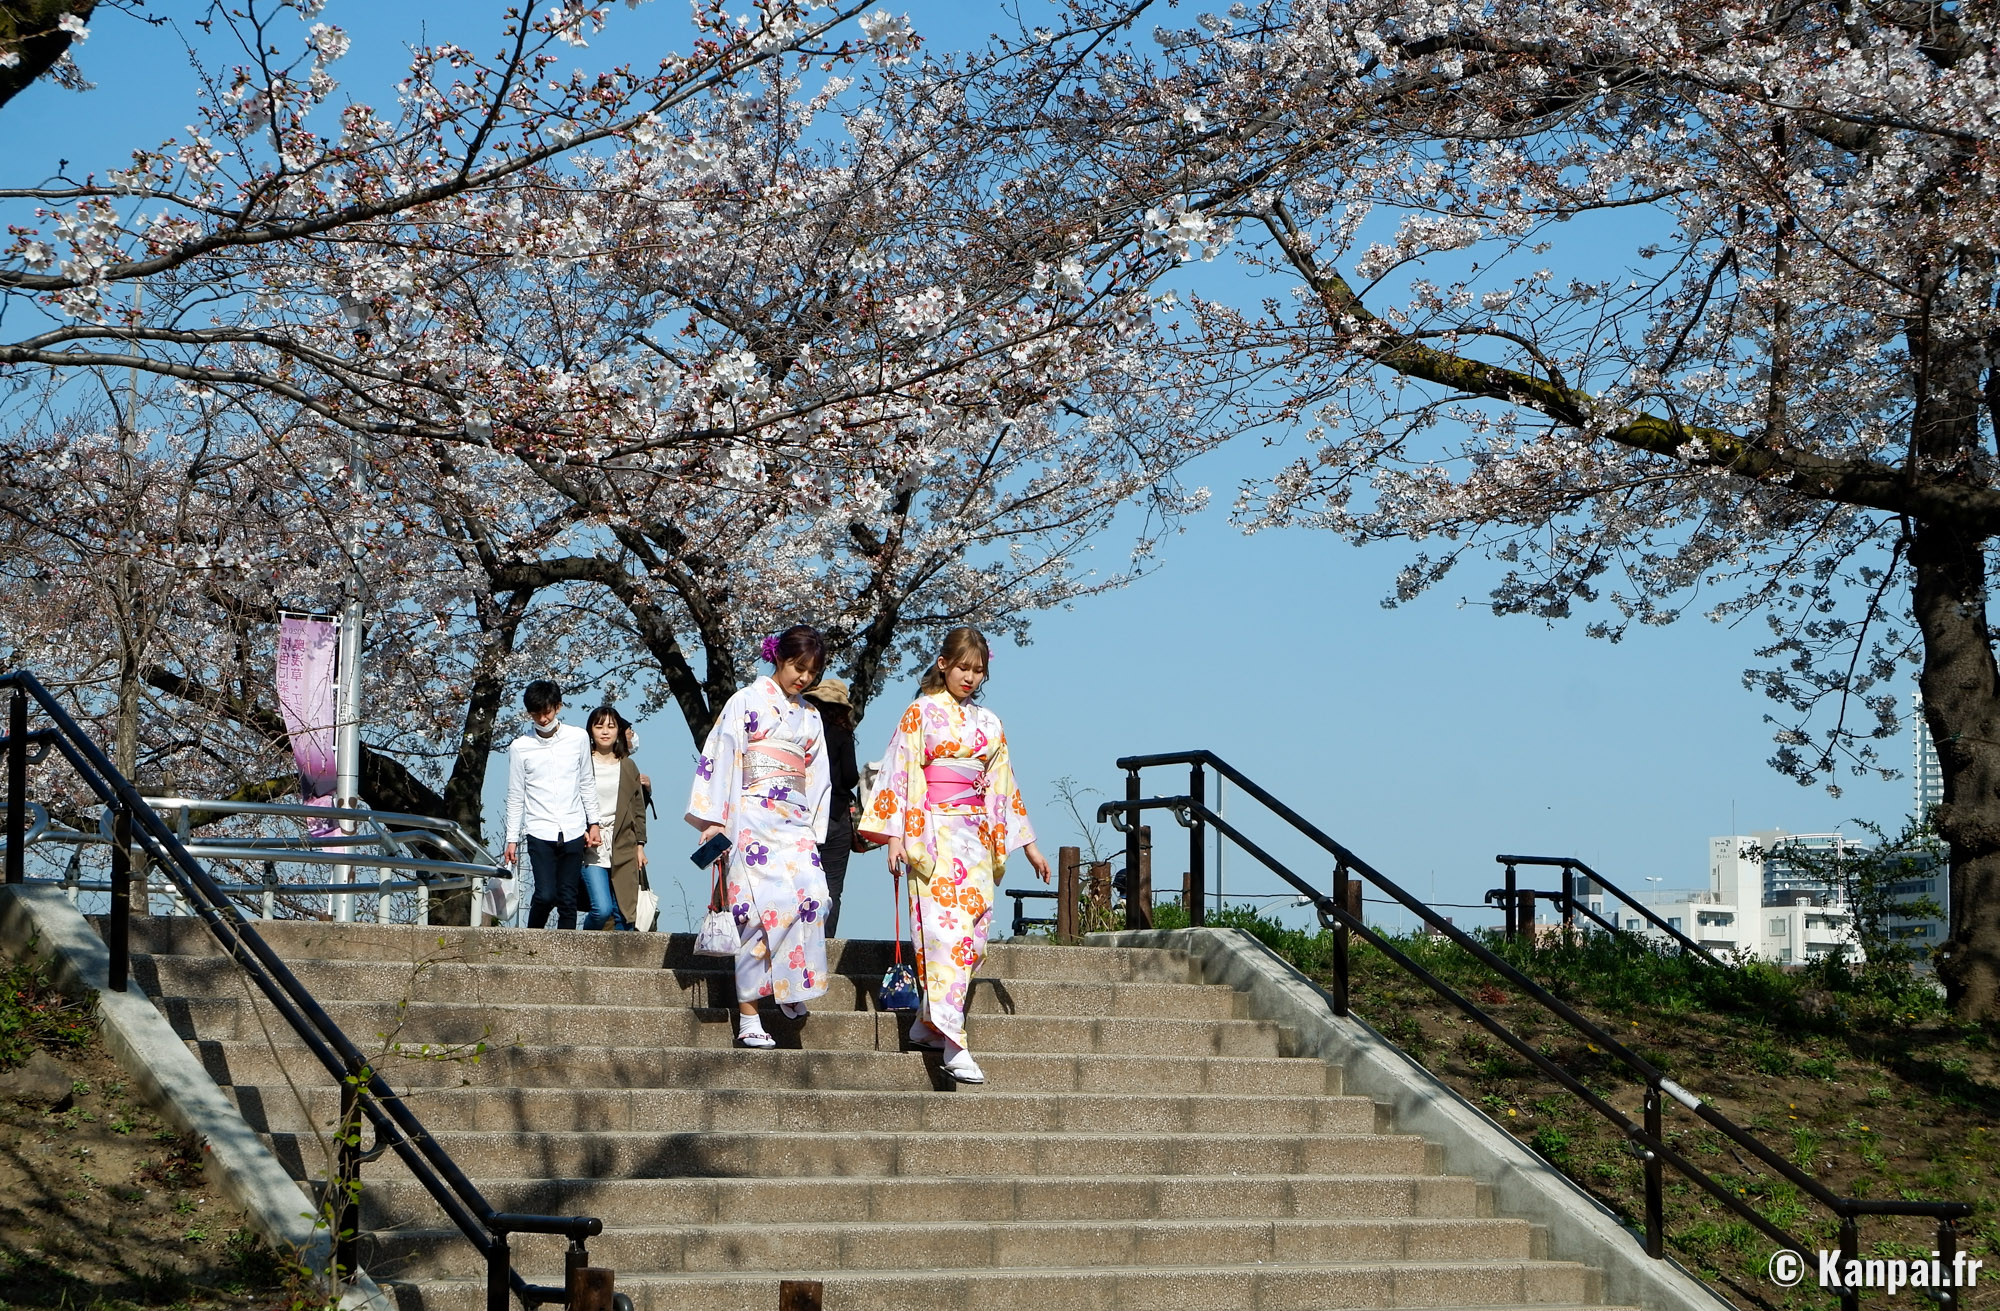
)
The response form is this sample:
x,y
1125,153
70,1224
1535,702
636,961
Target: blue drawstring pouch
x,y
899,987
899,981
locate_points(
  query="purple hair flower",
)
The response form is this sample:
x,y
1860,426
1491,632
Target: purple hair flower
x,y
769,650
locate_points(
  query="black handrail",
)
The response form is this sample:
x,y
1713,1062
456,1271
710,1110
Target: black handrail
x,y
1340,912
396,1127
1569,866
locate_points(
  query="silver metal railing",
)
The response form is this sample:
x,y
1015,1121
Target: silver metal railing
x,y
409,853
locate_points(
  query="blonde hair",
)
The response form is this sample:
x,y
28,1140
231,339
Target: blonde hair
x,y
959,645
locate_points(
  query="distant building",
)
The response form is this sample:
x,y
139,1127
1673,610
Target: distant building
x,y
1927,775
1785,880
1932,880
1768,908
1935,883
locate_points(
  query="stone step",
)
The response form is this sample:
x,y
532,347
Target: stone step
x,y
216,976
846,1246
889,1153
521,1023
405,946
748,1110
1142,1142
403,1203
254,1063
1319,1286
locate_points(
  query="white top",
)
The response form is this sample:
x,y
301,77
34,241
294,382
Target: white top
x,y
609,770
548,785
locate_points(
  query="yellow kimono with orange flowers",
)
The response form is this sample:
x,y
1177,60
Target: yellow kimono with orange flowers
x,y
957,848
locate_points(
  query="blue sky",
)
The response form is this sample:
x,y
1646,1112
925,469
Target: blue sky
x,y
1427,737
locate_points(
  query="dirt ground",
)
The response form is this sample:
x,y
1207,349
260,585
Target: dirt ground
x,y
103,1208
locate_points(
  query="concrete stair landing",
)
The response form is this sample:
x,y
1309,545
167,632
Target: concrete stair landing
x,y
1142,1141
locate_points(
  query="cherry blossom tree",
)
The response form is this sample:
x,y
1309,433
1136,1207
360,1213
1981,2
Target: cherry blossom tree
x,y
1663,305
35,41
645,370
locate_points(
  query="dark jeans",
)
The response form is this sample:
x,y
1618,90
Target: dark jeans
x,y
558,867
833,854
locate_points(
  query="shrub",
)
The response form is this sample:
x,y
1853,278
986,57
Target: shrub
x,y
34,1015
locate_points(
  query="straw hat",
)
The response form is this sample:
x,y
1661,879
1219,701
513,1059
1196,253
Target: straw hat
x,y
830,691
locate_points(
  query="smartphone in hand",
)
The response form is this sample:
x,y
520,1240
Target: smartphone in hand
x,y
710,851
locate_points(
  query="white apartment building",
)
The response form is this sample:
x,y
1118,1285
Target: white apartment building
x,y
1768,909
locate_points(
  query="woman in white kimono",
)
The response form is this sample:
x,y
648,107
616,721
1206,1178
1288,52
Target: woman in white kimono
x,y
763,781
953,814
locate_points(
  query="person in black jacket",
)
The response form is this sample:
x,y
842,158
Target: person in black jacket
x,y
837,717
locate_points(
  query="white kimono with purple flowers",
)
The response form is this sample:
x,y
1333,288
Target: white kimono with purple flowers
x,y
763,776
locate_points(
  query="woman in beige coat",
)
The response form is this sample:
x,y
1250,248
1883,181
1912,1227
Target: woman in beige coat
x,y
614,872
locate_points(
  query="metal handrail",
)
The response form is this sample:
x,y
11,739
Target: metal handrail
x,y
395,1125
1688,946
1341,913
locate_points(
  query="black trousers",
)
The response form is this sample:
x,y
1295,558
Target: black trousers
x,y
833,854
558,867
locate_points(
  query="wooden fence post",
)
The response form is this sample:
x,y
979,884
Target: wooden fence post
x,y
1066,893
1139,885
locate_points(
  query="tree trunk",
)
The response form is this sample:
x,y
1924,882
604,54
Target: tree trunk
x,y
1959,680
28,29
1961,693
464,790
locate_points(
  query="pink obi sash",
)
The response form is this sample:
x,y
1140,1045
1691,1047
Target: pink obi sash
x,y
954,782
774,762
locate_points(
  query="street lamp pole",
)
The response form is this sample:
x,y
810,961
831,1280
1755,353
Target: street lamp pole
x,y
347,730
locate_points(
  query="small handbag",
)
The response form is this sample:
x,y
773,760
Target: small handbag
x,y
899,981
718,928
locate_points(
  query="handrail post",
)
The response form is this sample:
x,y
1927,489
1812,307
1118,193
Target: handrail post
x,y
1850,1250
1569,904
1133,919
499,1264
1197,851
119,934
1947,1296
1510,905
346,1211
17,786
1340,899
1656,1211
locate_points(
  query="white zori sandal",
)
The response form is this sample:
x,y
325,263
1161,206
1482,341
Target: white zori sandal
x,y
795,1009
960,1065
750,1032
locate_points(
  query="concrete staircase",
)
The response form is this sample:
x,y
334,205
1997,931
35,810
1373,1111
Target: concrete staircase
x,y
1141,1141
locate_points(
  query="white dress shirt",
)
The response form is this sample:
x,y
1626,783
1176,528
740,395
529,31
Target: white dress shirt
x,y
551,788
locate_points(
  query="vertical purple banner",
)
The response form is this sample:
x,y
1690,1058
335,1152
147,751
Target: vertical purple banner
x,y
307,651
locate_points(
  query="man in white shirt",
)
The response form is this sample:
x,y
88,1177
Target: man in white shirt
x,y
552,796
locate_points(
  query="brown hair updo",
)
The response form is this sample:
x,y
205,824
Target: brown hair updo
x,y
960,644
800,644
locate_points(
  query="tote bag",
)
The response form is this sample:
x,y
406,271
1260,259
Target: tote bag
x,y
718,929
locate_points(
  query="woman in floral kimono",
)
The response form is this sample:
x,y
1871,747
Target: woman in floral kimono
x,y
953,814
763,781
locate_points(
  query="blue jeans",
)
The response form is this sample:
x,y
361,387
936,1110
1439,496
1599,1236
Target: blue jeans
x,y
603,905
